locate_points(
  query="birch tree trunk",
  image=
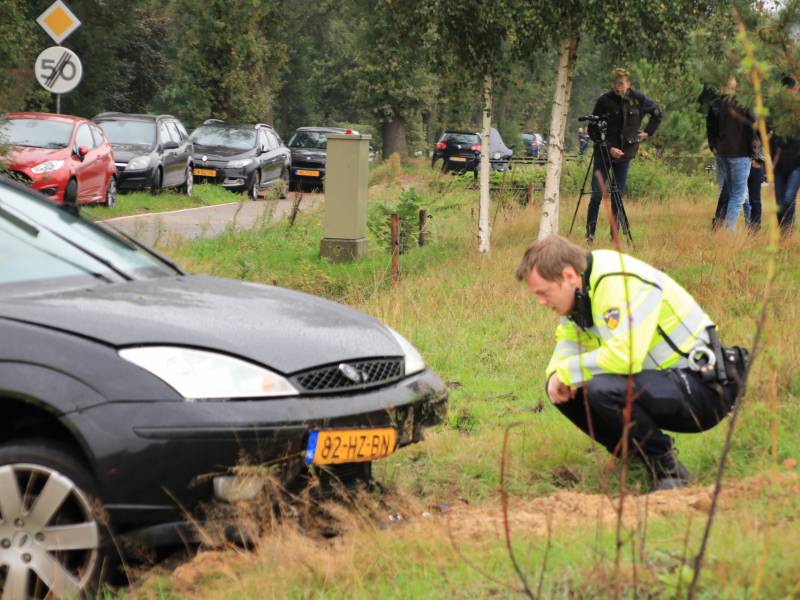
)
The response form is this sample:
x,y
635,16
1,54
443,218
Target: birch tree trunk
x,y
567,56
484,233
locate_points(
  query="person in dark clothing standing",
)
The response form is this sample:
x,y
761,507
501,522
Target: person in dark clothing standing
x,y
624,109
786,155
730,137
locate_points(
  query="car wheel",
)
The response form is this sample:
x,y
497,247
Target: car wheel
x,y
188,185
157,182
71,193
111,192
252,189
50,536
285,187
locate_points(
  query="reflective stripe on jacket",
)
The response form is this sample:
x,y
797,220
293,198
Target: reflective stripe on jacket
x,y
630,325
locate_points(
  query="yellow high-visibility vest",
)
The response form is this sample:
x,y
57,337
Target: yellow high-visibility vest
x,y
642,320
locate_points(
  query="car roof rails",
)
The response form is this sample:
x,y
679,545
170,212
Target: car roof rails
x,y
213,122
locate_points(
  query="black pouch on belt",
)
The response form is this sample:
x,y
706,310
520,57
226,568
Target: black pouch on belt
x,y
736,361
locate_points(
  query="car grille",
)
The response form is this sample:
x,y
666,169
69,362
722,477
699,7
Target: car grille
x,y
332,378
20,176
308,164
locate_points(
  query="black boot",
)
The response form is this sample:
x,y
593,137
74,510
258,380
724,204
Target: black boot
x,y
667,471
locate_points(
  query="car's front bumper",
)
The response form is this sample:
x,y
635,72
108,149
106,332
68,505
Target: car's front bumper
x,y
155,460
133,179
235,180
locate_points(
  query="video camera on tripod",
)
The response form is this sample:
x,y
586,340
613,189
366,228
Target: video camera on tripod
x,y
598,125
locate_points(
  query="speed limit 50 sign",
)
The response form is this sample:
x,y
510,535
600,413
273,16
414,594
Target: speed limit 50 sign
x,y
58,69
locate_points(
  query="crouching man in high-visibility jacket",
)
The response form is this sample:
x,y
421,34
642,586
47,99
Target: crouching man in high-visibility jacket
x,y
622,318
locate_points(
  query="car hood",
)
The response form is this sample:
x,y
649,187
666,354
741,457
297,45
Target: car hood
x,y
220,152
125,152
282,329
25,156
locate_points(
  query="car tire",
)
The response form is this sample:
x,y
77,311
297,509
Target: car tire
x,y
49,504
252,188
188,185
285,187
71,193
111,192
157,182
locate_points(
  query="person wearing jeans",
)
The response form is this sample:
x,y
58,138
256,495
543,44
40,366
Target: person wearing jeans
x,y
619,169
730,137
787,185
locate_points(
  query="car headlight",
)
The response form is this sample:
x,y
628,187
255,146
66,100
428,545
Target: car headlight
x,y
414,363
47,167
238,164
199,374
138,163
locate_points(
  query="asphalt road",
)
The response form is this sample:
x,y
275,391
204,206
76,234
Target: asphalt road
x,y
171,227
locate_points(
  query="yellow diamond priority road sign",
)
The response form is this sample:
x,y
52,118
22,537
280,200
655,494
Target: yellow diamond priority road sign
x,y
58,21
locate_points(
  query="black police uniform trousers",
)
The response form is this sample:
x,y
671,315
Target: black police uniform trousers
x,y
675,399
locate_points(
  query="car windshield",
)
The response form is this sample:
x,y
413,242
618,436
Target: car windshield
x,y
238,138
462,138
35,253
527,137
308,139
140,133
37,133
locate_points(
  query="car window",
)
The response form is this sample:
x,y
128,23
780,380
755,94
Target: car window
x,y
134,133
174,133
272,140
97,133
31,253
182,130
84,137
262,139
278,140
237,138
462,138
308,139
163,133
36,133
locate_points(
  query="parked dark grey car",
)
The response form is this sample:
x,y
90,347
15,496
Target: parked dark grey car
x,y
130,390
309,147
150,151
241,158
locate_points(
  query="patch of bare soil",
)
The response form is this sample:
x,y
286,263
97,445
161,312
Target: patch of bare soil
x,y
570,509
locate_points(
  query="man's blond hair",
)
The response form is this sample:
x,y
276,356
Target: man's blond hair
x,y
620,73
549,257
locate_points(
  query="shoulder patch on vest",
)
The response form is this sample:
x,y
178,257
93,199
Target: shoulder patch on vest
x,y
611,317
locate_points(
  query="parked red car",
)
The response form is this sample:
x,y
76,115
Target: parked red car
x,y
66,158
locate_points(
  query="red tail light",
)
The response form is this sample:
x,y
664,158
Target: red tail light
x,y
476,147
441,146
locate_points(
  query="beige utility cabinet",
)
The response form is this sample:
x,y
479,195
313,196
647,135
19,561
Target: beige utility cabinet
x,y
346,179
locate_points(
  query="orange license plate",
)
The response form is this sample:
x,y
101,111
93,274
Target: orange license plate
x,y
306,173
205,172
333,447
458,159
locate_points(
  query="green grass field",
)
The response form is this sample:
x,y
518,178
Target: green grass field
x,y
482,332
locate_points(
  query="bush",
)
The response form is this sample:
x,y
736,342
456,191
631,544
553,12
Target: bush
x,y
379,220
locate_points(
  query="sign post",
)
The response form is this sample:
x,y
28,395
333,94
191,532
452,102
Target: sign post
x,y
58,69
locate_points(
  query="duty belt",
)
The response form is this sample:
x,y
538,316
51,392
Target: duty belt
x,y
716,363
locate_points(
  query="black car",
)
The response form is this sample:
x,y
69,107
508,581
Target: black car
x,y
150,151
309,146
131,389
458,150
242,158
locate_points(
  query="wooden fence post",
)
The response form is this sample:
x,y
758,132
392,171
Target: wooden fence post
x,y
423,225
395,248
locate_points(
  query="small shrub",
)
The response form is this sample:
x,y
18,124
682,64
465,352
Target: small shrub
x,y
379,220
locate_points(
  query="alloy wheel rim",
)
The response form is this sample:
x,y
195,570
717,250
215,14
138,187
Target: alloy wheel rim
x,y
49,538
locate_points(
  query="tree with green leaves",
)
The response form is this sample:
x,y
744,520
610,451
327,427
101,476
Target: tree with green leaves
x,y
224,66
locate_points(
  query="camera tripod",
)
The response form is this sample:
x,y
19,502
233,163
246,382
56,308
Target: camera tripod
x,y
619,216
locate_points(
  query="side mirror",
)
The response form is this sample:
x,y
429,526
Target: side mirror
x,y
82,152
170,145
261,150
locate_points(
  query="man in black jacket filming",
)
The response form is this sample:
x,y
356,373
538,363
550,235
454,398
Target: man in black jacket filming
x,y
623,109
